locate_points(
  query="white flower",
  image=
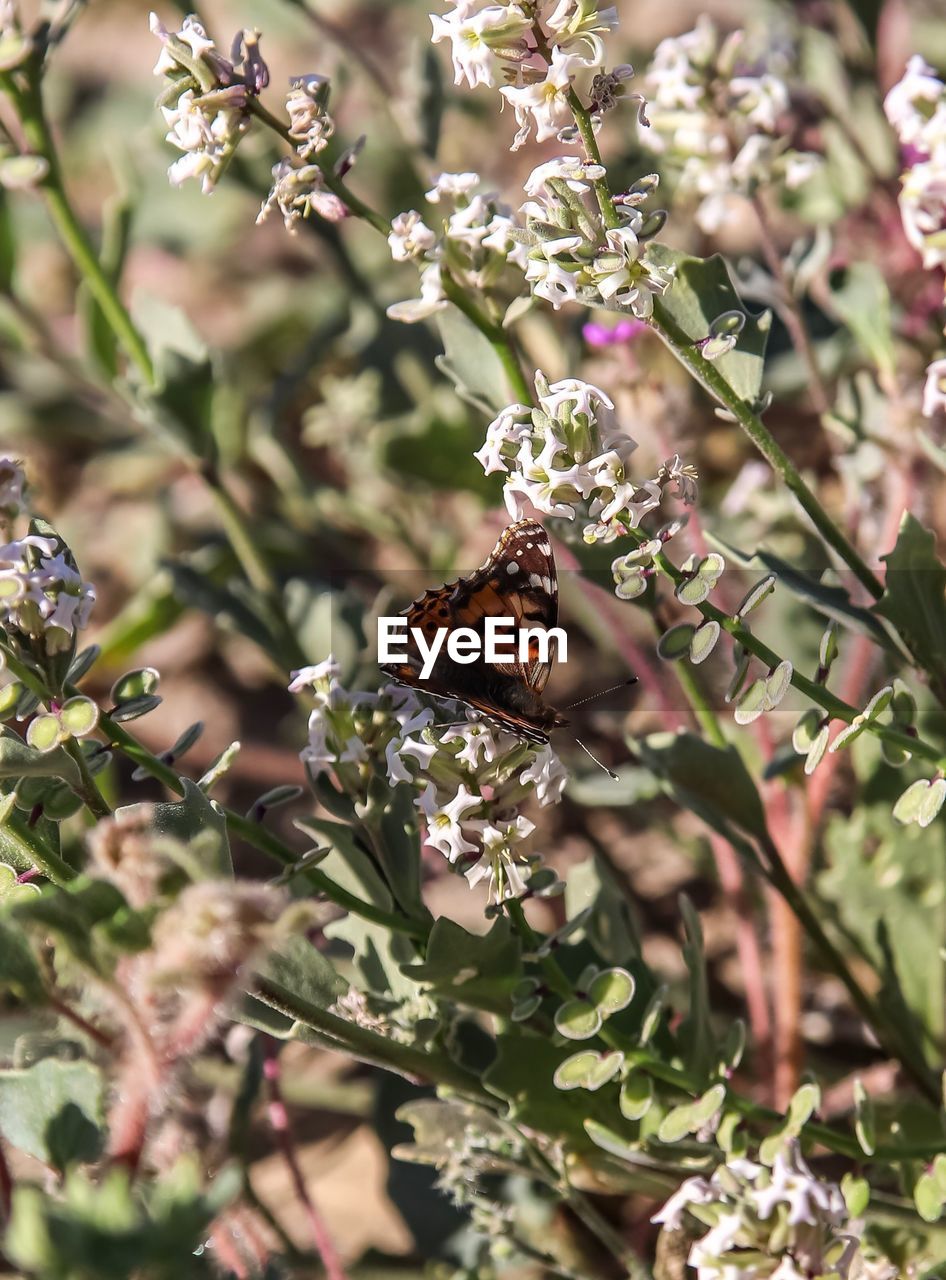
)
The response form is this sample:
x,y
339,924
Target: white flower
x,y
431,300
693,1191
543,104
551,281
934,392
575,172
474,32
915,106
760,99
923,210
547,774
444,821
321,677
452,185
207,129
684,477
41,594
309,121
297,192
809,1200
410,237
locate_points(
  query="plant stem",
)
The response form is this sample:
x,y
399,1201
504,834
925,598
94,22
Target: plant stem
x,y
498,338
17,830
28,101
709,377
353,203
368,1046
86,789
835,707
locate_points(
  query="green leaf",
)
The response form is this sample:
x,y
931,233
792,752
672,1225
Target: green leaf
x,y
696,1032
677,1123
89,918
914,598
479,969
588,1070
611,991
702,291
928,1198
302,970
637,1096
198,822
577,1020
19,971
135,684
805,1102
830,601
675,643
79,715
470,362
864,1125
523,1074
54,1111
862,302
17,760
856,1192
690,768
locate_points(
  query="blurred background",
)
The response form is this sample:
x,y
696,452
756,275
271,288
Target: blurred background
x,y
353,454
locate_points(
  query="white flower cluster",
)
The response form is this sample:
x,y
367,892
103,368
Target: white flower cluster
x,y
567,450
470,779
298,191
781,1223
41,595
299,187
715,110
538,49
573,257
916,108
205,105
475,237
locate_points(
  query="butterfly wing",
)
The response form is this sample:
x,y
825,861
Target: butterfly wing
x,y
518,581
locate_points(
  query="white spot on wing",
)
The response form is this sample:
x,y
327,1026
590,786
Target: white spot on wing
x,y
512,567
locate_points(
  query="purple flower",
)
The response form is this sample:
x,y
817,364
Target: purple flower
x,y
601,335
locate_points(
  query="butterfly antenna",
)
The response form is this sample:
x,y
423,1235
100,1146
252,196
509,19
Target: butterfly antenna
x,y
600,694
613,776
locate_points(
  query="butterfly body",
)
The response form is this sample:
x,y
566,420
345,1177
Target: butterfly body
x,y
517,581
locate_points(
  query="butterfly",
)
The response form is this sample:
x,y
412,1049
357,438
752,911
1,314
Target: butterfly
x,y
516,581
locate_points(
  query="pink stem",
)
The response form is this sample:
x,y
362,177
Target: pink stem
x,y
279,1120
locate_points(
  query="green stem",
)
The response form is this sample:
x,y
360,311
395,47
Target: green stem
x,y
497,337
835,707
85,788
709,377
29,104
582,115
17,830
368,1046
354,203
